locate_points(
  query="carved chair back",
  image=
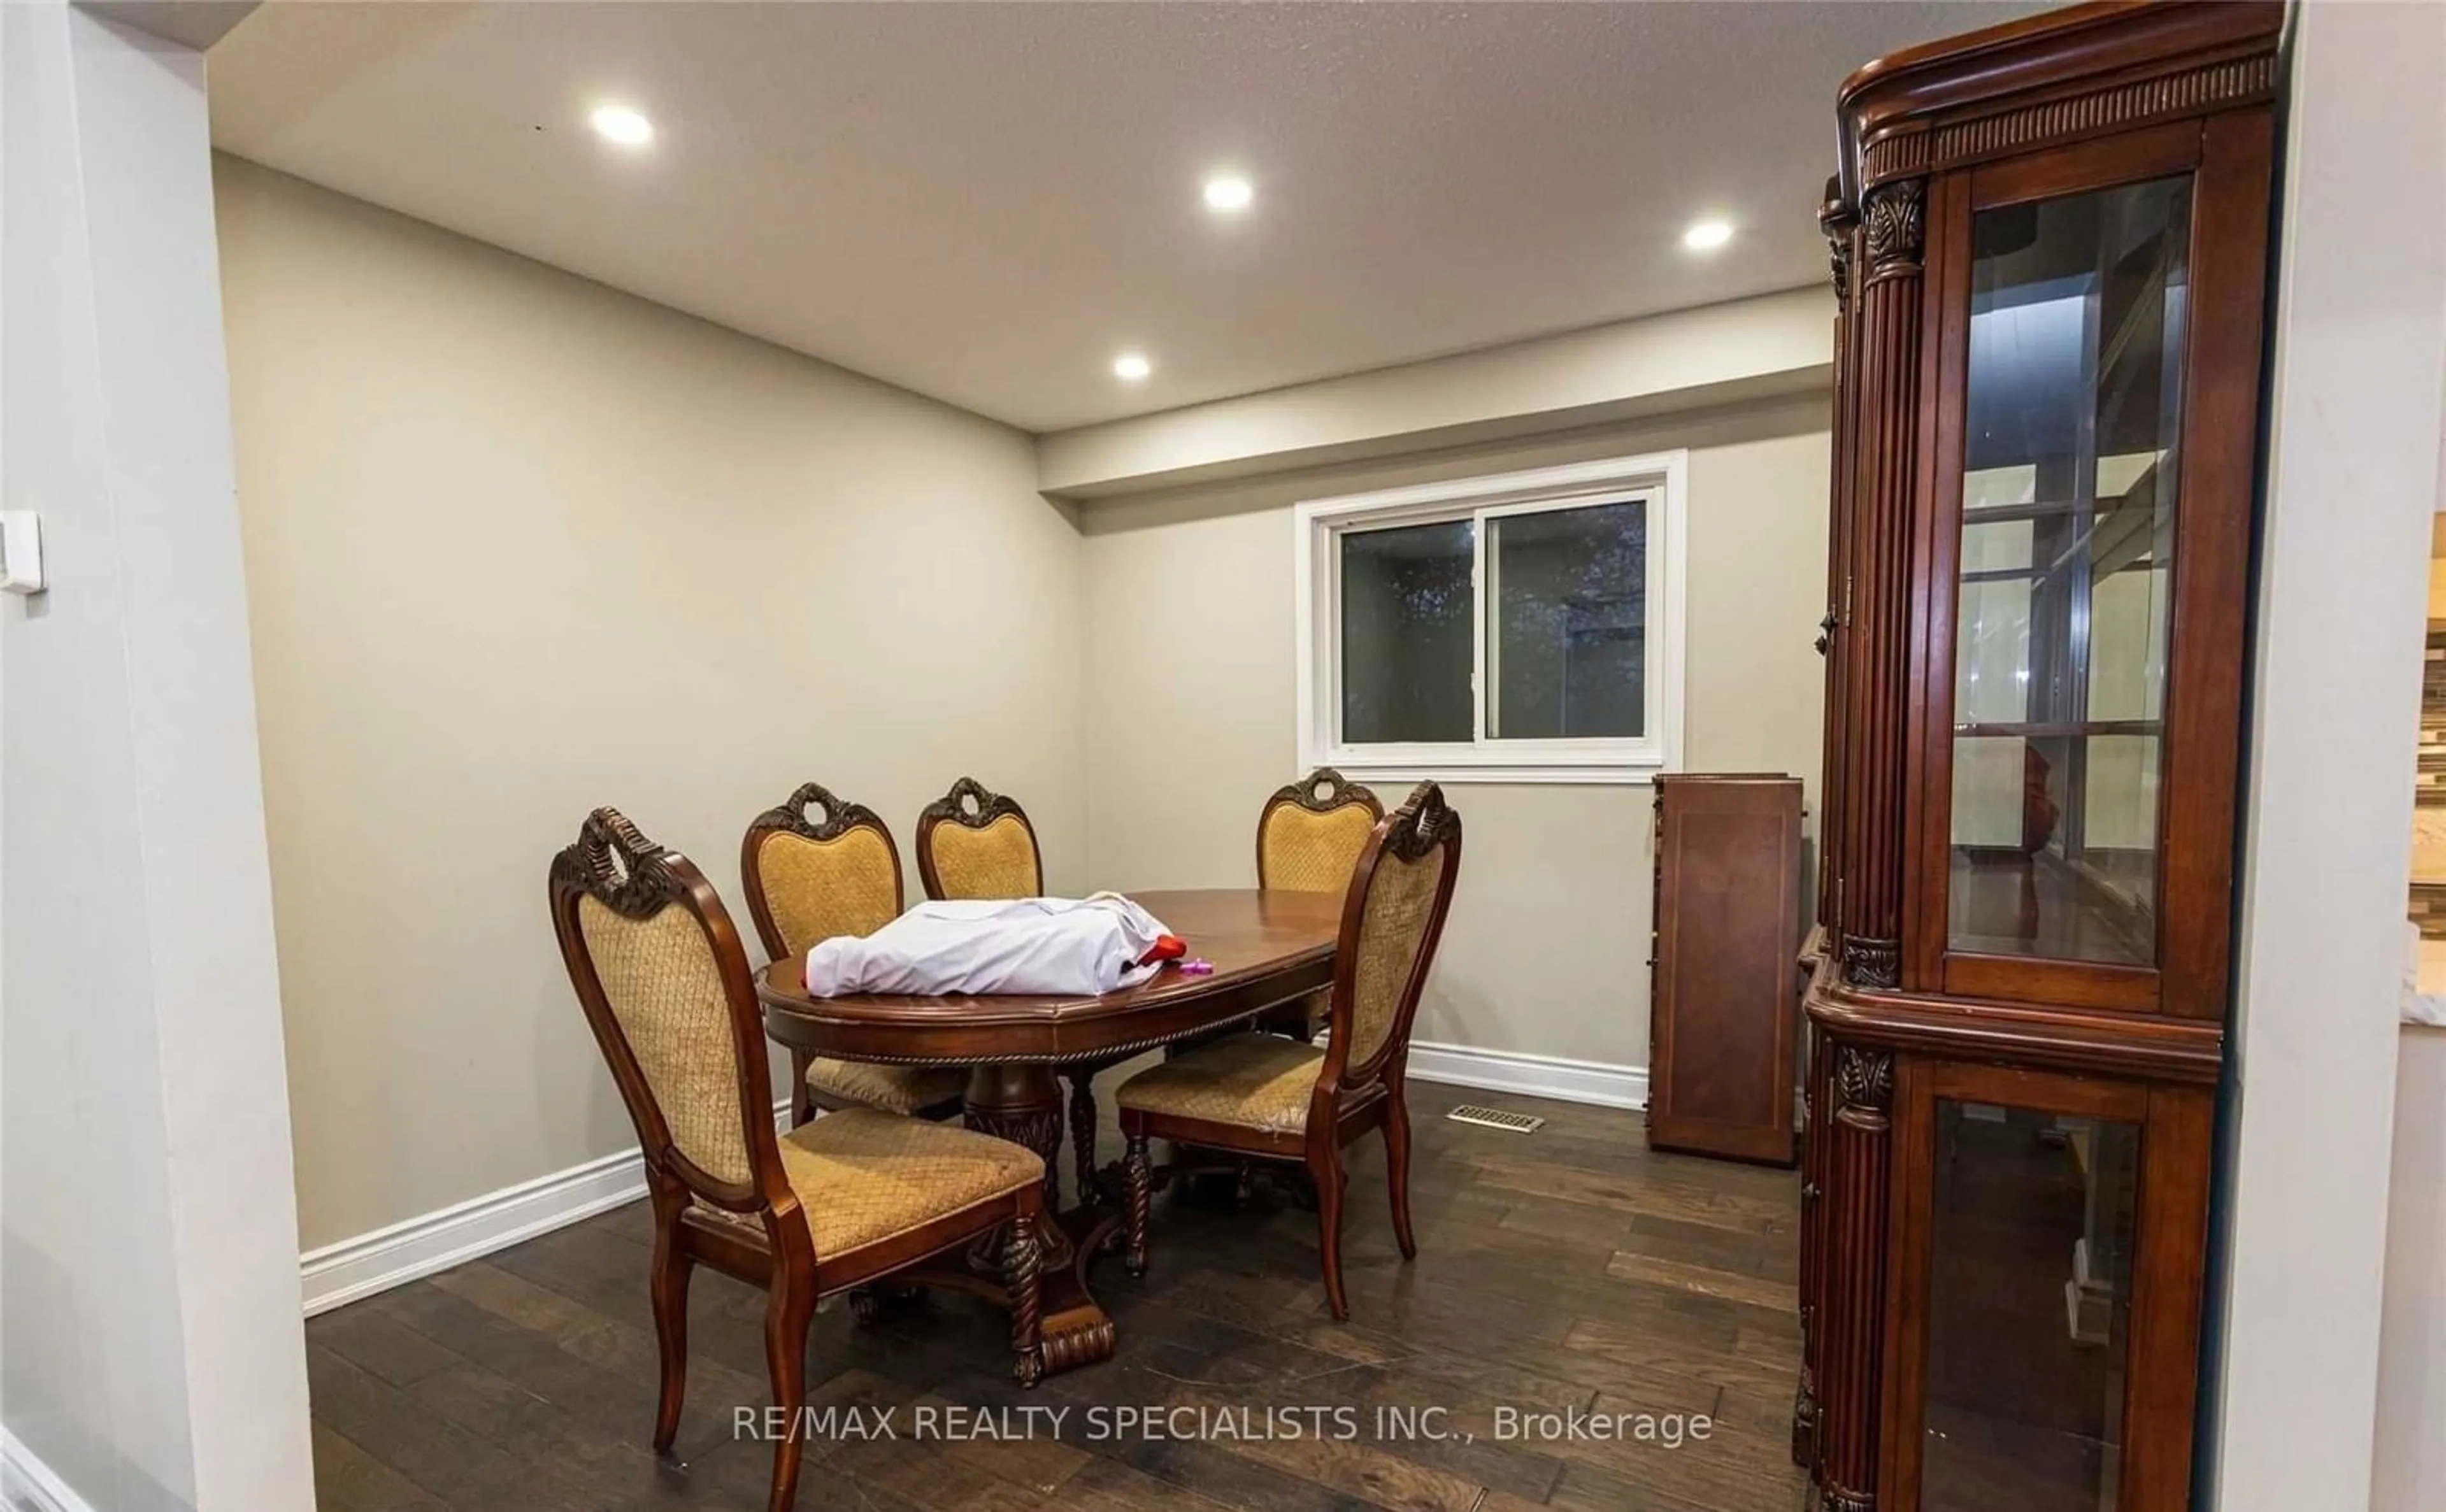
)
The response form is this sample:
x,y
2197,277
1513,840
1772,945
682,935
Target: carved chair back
x,y
817,866
972,843
1392,918
661,973
1310,834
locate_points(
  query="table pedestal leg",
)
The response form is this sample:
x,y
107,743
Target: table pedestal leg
x,y
1023,1104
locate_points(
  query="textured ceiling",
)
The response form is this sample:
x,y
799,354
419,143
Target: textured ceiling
x,y
985,202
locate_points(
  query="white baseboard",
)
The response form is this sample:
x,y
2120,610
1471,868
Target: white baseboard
x,y
339,1274
26,1482
1565,1080
353,1269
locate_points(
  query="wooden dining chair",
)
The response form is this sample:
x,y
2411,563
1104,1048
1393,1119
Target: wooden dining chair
x,y
973,843
1310,836
1257,1095
845,1201
815,868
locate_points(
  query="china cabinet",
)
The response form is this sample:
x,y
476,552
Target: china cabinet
x,y
2050,244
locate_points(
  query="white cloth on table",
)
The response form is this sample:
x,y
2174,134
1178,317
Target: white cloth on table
x,y
1080,946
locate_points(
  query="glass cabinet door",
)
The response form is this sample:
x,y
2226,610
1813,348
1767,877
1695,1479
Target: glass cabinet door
x,y
2070,481
2049,1230
2030,1308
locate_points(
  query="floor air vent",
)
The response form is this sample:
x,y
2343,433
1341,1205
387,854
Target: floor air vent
x,y
1496,1118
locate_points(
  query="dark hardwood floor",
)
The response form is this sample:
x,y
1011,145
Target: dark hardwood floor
x,y
1566,1270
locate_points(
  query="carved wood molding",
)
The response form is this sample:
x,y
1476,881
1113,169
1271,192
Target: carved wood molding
x,y
1075,1344
1872,962
1881,451
615,864
1023,1259
1836,223
1138,1186
1039,1131
1323,791
2150,1046
1921,148
1850,1328
1864,1085
840,816
1895,218
972,805
1421,823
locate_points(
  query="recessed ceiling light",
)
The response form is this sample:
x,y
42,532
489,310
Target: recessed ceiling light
x,y
621,127
1132,367
1229,193
1706,236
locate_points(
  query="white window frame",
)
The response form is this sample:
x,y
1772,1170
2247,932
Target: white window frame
x,y
1661,478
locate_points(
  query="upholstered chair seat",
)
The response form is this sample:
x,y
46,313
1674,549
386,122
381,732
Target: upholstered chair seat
x,y
865,1177
905,1090
1249,1081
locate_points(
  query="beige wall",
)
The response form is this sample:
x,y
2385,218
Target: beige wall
x,y
517,545
1190,651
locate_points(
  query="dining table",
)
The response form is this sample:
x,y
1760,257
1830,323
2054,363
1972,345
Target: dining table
x,y
1261,947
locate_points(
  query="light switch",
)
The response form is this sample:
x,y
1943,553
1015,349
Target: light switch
x,y
21,551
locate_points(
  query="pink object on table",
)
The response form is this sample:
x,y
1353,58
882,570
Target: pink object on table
x,y
1198,968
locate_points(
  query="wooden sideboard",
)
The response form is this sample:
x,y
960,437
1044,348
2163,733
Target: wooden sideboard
x,y
1722,1032
2050,250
